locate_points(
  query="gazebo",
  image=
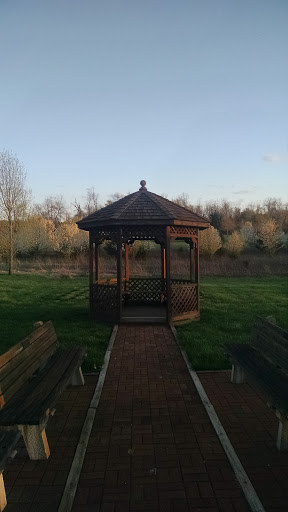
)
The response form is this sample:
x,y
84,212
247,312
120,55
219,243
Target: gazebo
x,y
143,215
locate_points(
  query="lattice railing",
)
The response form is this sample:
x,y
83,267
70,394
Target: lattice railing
x,y
145,290
183,231
184,297
133,233
104,298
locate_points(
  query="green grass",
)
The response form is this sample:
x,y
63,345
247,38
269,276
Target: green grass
x,y
25,299
228,309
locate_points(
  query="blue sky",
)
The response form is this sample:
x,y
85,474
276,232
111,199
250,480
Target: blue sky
x,y
189,95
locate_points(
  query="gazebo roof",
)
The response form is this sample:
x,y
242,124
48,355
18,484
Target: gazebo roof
x,y
143,207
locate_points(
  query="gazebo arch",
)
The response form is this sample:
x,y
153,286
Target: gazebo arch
x,y
144,215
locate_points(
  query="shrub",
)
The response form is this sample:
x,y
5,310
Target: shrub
x,y
209,241
234,244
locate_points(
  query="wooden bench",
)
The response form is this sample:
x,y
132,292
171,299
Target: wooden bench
x,y
265,360
33,375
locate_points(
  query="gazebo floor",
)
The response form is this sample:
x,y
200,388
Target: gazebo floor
x,y
144,314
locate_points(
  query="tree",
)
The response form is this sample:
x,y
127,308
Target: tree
x,y
234,244
35,236
14,196
92,201
209,241
270,238
53,208
248,234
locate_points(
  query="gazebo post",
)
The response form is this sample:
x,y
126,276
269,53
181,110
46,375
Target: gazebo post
x,y
197,270
91,270
119,273
126,266
168,274
163,268
192,261
97,261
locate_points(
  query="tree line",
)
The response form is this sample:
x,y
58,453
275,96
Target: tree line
x,y
49,227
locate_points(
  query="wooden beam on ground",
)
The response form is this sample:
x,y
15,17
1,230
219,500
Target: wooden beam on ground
x,y
74,474
240,473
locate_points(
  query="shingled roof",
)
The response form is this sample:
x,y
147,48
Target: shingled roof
x,y
142,207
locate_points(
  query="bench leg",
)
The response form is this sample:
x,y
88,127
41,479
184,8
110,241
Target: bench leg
x,y
36,442
282,439
237,375
77,378
3,500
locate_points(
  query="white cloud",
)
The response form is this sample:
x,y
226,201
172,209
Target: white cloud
x,y
273,158
244,191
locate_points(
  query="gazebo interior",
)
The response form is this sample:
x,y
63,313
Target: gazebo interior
x,y
144,216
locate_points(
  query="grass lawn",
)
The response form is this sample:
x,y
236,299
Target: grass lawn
x,y
25,299
228,308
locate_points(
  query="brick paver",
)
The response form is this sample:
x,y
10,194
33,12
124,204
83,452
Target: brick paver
x,y
152,446
37,486
252,429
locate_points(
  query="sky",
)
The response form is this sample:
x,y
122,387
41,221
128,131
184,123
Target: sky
x,y
191,96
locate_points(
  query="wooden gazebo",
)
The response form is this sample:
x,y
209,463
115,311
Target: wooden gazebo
x,y
143,216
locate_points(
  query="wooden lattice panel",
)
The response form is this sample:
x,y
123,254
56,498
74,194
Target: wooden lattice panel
x,y
101,234
183,231
184,297
105,298
132,233
146,291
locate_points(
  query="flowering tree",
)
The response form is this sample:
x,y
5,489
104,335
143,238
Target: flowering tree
x,y
209,241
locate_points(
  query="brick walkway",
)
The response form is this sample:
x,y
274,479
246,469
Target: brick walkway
x,y
152,447
252,429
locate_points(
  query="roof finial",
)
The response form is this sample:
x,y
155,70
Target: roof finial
x,y
143,185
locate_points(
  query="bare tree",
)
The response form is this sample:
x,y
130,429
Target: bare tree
x,y
14,196
114,197
92,201
53,208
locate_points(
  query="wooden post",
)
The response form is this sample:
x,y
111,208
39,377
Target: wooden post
x,y
163,269
3,500
91,270
96,263
237,374
36,442
192,261
119,274
197,270
168,274
126,266
77,378
282,438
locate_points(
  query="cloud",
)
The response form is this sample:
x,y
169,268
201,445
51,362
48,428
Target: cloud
x,y
244,191
248,190
273,158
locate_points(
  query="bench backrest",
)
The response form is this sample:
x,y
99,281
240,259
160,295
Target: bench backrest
x,y
272,341
22,360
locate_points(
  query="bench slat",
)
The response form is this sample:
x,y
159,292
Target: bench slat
x,y
32,403
29,340
24,377
28,365
272,341
26,353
